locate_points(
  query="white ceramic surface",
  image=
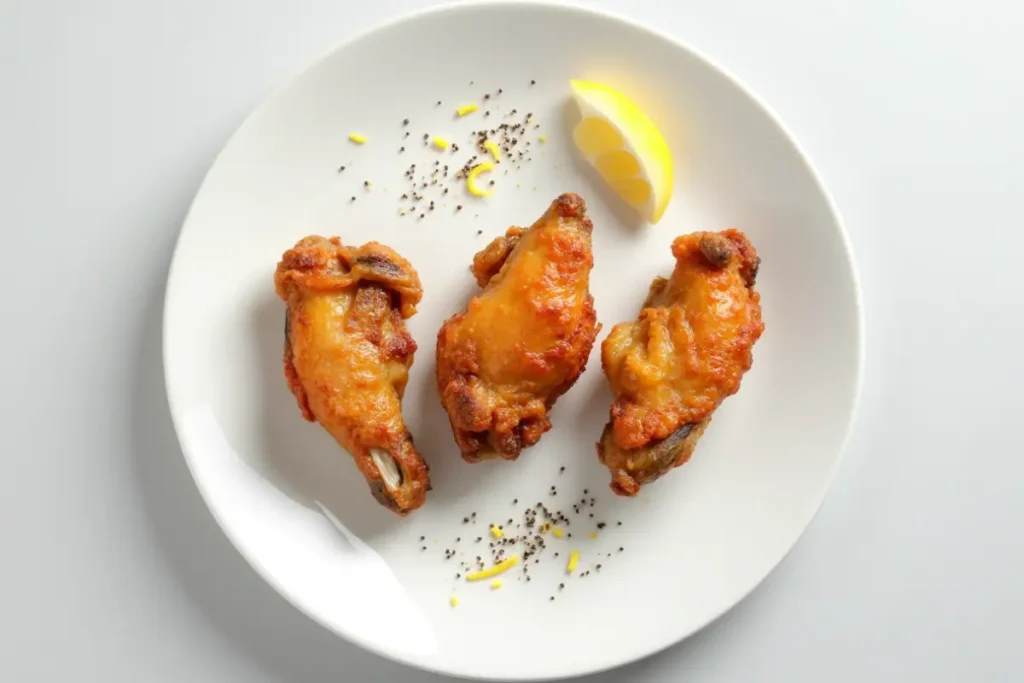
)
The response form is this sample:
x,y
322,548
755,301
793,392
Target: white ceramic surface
x,y
694,543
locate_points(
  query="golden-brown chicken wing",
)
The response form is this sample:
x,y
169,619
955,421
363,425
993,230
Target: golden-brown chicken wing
x,y
686,353
521,343
347,356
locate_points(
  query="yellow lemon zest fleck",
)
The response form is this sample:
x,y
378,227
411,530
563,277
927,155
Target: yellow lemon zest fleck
x,y
441,143
357,138
471,179
502,566
496,584
453,601
496,532
543,138
492,147
574,558
556,532
466,109
593,535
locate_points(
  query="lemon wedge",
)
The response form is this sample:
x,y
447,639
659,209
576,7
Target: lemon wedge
x,y
626,148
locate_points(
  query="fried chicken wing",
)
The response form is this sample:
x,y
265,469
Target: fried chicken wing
x,y
347,356
519,345
684,355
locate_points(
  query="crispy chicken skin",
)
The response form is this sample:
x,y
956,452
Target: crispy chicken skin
x,y
524,340
347,356
686,353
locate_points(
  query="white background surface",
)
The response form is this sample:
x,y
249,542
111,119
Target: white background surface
x,y
111,569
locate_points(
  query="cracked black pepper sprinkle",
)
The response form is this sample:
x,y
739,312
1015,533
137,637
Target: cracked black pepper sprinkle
x,y
405,122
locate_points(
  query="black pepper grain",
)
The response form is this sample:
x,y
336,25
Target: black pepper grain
x,y
405,122
340,169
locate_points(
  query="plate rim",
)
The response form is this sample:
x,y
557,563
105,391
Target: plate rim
x,y
452,6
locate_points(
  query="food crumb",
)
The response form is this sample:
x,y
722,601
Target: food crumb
x,y
574,558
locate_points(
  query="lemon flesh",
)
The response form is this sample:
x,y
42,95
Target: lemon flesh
x,y
624,146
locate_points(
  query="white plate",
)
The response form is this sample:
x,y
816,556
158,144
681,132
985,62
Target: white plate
x,y
695,542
